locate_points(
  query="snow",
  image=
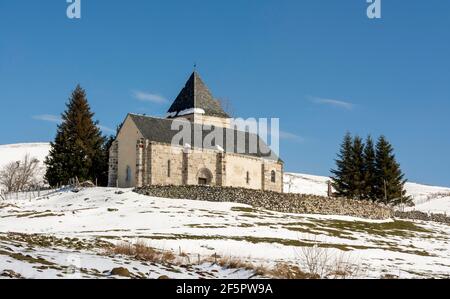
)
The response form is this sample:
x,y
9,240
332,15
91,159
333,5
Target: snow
x,y
407,249
427,198
227,229
16,152
305,184
185,112
191,111
171,114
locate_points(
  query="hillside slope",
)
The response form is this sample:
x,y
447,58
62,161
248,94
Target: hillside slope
x,y
16,152
203,229
427,198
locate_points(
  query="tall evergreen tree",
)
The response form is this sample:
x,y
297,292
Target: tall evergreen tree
x,y
389,177
102,171
341,178
369,170
78,150
357,173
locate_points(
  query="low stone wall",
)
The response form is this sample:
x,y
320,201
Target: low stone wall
x,y
279,202
418,215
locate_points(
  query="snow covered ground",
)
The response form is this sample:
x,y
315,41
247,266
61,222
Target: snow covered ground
x,y
427,198
401,248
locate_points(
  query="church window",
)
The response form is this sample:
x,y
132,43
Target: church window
x,y
273,176
128,174
168,169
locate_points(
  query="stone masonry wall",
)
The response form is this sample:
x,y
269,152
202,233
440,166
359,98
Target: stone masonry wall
x,y
186,164
161,154
113,164
267,168
280,202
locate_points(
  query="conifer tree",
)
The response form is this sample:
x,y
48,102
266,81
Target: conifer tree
x,y
78,150
389,177
341,178
357,171
369,170
102,171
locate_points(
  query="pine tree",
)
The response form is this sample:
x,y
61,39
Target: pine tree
x,y
369,170
78,149
341,178
102,172
389,177
357,171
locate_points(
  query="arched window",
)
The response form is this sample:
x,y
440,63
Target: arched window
x,y
168,169
248,178
128,174
273,176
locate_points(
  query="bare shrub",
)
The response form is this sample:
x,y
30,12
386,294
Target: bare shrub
x,y
319,262
316,260
20,175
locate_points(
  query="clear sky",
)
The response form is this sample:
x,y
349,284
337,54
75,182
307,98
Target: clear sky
x,y
321,66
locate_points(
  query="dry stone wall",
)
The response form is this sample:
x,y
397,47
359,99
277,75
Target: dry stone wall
x,y
418,215
280,202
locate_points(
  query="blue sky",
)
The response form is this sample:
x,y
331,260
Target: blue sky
x,y
321,66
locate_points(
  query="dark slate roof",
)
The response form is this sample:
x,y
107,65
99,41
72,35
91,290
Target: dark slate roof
x,y
159,130
197,95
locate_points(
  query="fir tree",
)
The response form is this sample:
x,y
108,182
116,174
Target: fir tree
x,y
369,170
357,173
103,171
341,178
78,150
389,177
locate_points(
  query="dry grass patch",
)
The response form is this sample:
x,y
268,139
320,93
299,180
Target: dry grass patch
x,y
142,252
235,263
315,262
287,271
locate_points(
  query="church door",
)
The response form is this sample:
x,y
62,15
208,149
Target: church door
x,y
205,177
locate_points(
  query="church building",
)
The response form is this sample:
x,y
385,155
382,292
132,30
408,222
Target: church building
x,y
148,150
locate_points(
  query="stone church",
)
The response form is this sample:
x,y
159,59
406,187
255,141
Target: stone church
x,y
147,151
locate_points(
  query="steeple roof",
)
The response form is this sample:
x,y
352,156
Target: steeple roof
x,y
195,97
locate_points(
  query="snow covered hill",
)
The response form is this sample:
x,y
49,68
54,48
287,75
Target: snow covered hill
x,y
63,228
427,198
42,237
16,152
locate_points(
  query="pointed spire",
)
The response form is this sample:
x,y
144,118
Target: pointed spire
x,y
195,97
